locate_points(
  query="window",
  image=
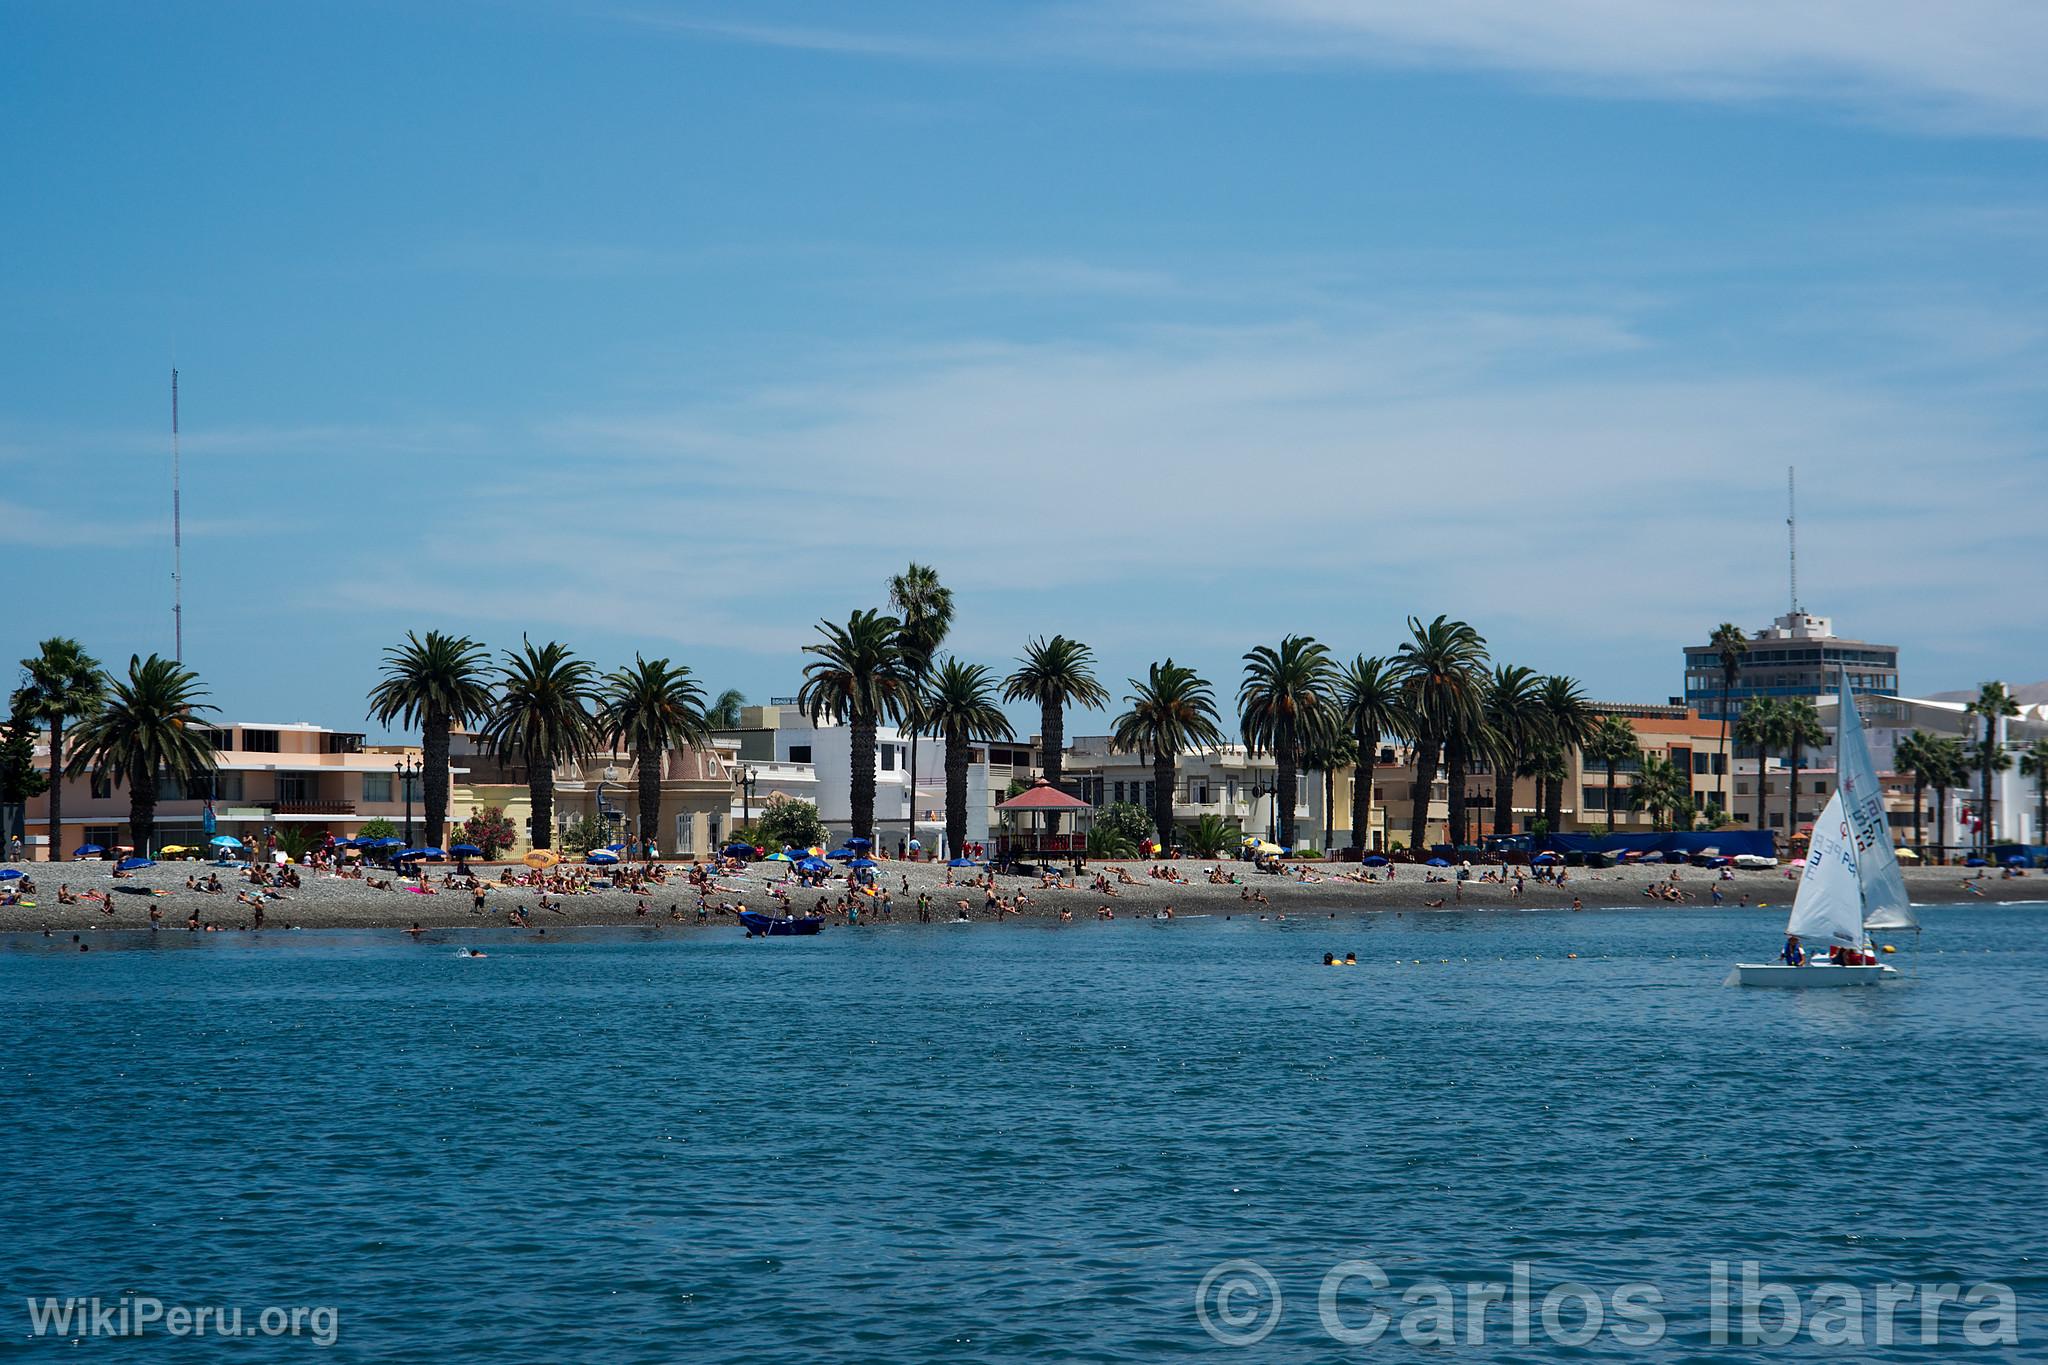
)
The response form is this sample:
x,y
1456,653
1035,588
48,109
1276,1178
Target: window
x,y
888,758
102,788
1741,788
259,741
293,789
411,790
686,835
799,753
1119,793
1202,794
376,787
106,836
1820,789
1595,798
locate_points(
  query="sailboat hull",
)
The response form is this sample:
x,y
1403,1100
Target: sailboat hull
x,y
1814,976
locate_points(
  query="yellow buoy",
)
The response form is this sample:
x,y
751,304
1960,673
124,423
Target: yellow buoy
x,y
1888,948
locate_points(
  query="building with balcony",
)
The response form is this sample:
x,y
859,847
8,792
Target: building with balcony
x,y
1797,655
1226,781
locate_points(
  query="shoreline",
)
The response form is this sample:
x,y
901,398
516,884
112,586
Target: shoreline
x,y
327,902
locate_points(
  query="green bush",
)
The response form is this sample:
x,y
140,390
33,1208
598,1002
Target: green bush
x,y
787,823
378,828
584,834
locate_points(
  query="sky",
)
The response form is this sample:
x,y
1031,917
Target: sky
x,y
671,328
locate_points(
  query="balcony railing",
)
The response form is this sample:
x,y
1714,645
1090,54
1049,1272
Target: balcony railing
x,y
314,807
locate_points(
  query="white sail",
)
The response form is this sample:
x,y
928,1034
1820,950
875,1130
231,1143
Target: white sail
x,y
1829,907
1885,904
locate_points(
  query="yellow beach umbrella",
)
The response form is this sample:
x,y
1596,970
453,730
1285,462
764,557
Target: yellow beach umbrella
x,y
1907,855
174,848
542,857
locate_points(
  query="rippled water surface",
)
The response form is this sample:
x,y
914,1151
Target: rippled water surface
x,y
1018,1143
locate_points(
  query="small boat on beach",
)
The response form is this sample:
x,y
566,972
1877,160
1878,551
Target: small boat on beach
x,y
758,925
1851,886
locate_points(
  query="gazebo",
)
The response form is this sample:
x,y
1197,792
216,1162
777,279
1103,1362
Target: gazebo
x,y
1030,812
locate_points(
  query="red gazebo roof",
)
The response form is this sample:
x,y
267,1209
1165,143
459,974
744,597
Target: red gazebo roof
x,y
1044,796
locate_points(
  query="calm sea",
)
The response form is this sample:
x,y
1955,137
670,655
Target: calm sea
x,y
1020,1143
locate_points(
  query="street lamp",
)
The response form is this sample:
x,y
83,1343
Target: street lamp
x,y
407,769
747,779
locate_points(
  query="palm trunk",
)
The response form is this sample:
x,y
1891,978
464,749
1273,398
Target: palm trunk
x,y
1941,824
1361,791
1503,799
1162,799
1553,804
862,778
1287,779
56,827
910,820
1610,796
540,786
2041,814
1425,778
1763,765
1986,827
1454,762
1919,804
434,749
142,816
647,775
1052,727
1329,819
1792,797
1726,762
956,794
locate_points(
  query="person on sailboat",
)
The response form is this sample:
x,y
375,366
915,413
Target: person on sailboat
x,y
1793,955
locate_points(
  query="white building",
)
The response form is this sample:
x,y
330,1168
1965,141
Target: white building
x,y
1225,781
2015,796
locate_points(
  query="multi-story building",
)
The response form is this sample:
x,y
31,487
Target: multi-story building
x,y
1225,781
1795,656
270,777
697,793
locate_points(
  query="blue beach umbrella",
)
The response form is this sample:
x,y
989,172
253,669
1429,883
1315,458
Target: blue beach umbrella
x,y
1375,860
8,874
615,848
2015,861
84,850
859,843
1546,858
863,862
814,865
467,851
130,864
963,862
1973,862
1437,862
224,841
602,857
842,854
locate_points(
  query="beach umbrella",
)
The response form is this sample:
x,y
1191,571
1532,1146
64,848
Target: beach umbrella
x,y
1906,855
225,841
388,841
863,863
541,857
780,858
859,843
1546,858
1375,860
2015,861
601,857
467,851
615,848
740,850
130,864
85,849
173,848
814,865
963,862
841,853
1437,862
8,874
1973,862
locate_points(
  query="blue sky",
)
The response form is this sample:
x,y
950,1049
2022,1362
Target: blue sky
x,y
673,327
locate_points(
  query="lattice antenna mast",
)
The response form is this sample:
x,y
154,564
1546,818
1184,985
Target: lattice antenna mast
x,y
177,532
1792,530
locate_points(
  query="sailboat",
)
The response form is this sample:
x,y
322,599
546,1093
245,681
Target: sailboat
x,y
1852,884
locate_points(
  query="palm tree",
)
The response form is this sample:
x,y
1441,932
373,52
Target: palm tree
x,y
924,612
1568,722
960,707
1441,668
1372,707
62,682
860,679
724,714
1948,768
436,683
1661,787
1994,703
1730,644
1613,743
1055,673
1288,699
1173,710
650,708
542,717
1802,731
1762,727
1210,835
1915,754
1513,711
2034,764
144,733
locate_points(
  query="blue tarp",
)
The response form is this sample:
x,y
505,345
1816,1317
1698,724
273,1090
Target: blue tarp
x,y
2036,855
1728,842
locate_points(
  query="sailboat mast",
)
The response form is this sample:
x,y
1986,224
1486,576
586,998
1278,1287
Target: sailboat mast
x,y
177,532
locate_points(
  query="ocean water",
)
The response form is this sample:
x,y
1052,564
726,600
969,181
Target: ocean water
x,y
1017,1143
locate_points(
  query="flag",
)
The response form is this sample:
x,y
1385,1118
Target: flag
x,y
209,815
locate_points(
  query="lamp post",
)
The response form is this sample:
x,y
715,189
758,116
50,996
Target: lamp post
x,y
407,769
747,778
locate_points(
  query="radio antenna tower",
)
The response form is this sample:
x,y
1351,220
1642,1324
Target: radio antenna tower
x,y
177,532
1792,530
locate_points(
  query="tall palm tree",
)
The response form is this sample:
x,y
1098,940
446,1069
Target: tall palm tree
x,y
1442,671
1568,722
1660,787
1730,644
924,612
1994,703
1055,673
650,708
543,716
960,707
60,683
860,679
1171,711
2034,764
724,714
1613,743
1513,711
1371,706
1802,731
436,683
1762,727
1915,754
1948,769
144,733
1289,697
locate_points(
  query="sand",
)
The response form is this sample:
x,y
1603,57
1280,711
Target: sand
x,y
327,902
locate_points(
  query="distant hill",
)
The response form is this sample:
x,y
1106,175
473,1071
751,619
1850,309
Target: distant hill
x,y
2032,694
